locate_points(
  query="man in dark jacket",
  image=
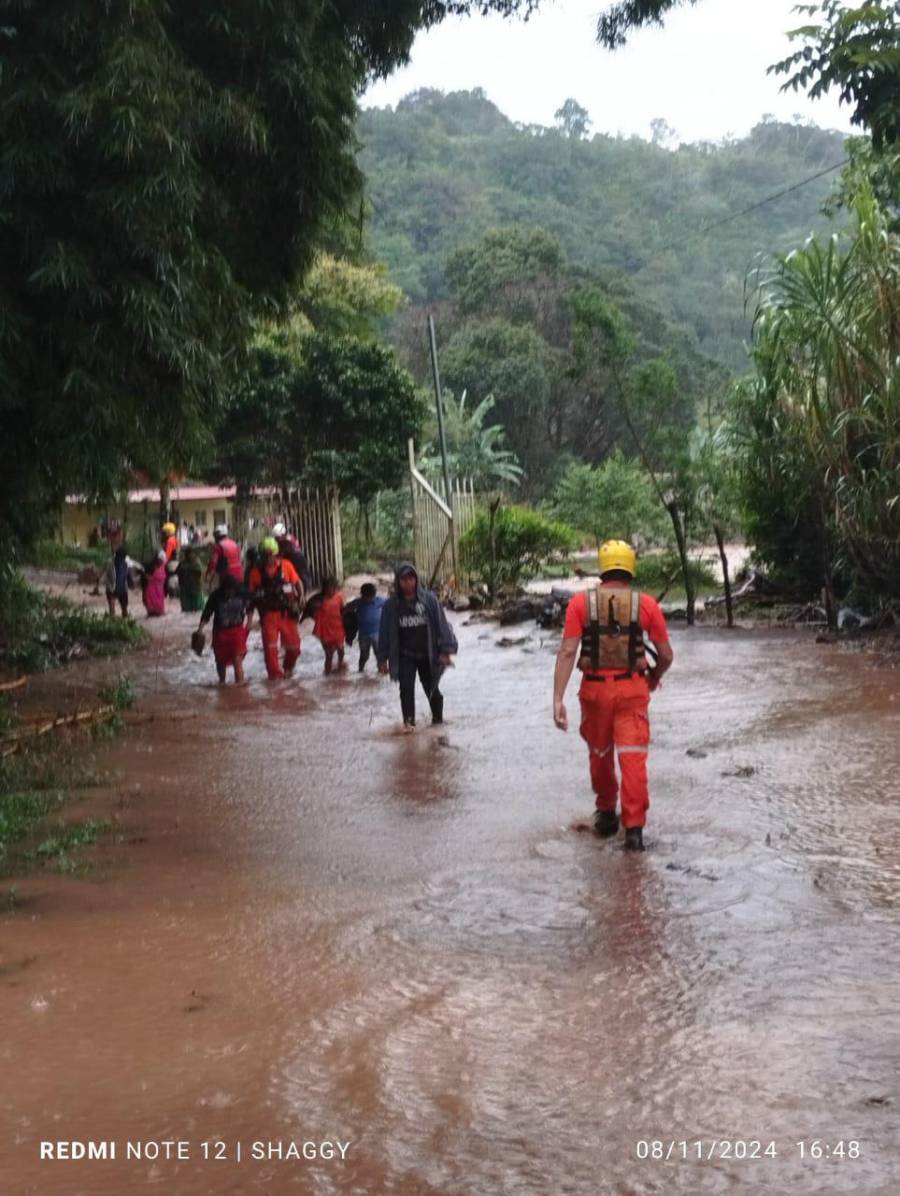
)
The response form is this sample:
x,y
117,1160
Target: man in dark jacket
x,y
415,638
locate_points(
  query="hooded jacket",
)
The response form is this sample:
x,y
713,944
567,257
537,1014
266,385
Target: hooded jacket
x,y
441,640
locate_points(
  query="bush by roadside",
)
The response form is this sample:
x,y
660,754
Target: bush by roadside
x,y
39,773
66,558
509,544
38,631
34,785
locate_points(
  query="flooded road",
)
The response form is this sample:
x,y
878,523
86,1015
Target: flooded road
x,y
312,929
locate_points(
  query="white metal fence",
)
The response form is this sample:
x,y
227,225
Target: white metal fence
x,y
437,528
313,516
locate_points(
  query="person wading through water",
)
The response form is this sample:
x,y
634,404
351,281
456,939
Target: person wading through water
x,y
225,556
289,550
278,596
168,537
230,608
415,639
604,634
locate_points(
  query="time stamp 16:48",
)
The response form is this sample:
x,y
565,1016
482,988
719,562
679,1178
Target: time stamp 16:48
x,y
704,1149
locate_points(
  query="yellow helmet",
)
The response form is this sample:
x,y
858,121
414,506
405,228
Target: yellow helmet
x,y
616,554
169,529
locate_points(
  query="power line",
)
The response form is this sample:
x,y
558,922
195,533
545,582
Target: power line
x,y
700,232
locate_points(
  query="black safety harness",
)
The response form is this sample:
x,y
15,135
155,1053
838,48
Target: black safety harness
x,y
272,596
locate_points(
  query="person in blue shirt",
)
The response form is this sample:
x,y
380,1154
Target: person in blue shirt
x,y
368,611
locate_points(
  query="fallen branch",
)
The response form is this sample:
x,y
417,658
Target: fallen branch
x,y
13,740
7,685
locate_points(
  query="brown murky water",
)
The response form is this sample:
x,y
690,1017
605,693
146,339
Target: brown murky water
x,y
319,931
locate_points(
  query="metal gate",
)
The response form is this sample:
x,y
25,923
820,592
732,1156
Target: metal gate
x,y
313,516
437,528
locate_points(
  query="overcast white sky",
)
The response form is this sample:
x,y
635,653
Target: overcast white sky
x,y
704,72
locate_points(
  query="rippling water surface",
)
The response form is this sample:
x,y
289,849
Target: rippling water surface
x,y
313,928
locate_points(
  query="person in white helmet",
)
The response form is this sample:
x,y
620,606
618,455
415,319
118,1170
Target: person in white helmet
x,y
225,557
289,550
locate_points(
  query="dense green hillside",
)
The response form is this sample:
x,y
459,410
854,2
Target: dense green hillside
x,y
442,169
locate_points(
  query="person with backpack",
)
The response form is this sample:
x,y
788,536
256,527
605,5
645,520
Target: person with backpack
x,y
604,635
278,596
415,639
229,607
290,550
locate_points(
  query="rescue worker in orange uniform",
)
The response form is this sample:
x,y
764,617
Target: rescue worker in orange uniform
x,y
169,540
225,556
278,596
604,635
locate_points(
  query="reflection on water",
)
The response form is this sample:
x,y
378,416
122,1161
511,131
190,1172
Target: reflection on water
x,y
329,930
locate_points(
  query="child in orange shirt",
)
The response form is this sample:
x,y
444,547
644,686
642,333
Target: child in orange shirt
x,y
329,624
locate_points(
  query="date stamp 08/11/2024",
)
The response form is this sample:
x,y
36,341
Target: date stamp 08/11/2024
x,y
700,1150
646,1150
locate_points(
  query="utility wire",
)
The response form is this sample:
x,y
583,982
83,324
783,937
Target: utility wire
x,y
700,232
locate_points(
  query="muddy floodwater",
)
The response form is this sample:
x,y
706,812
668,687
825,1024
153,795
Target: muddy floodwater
x,y
309,929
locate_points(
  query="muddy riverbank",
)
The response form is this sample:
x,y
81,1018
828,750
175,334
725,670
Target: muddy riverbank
x,y
310,928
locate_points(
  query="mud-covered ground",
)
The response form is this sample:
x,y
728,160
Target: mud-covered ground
x,y
309,928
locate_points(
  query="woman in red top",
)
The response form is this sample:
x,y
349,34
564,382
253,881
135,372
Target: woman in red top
x,y
329,624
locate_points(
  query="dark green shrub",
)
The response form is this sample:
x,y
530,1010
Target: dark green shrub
x,y
507,545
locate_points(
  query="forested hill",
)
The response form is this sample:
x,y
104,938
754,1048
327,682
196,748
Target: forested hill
x,y
442,169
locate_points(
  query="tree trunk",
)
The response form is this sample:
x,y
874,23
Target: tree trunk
x,y
683,557
164,504
726,579
492,584
827,572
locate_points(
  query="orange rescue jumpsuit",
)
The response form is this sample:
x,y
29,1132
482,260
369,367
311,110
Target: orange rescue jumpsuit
x,y
277,622
615,718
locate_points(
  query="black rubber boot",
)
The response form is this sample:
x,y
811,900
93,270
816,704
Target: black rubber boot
x,y
634,838
606,823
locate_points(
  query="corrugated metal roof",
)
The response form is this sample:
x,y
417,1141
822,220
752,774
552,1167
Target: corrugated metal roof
x,y
177,494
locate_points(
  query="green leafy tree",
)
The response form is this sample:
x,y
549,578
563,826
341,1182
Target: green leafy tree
x,y
650,405
572,120
444,174
510,363
856,49
878,172
656,413
324,410
167,170
507,544
356,410
347,298
826,348
612,501
717,504
503,258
